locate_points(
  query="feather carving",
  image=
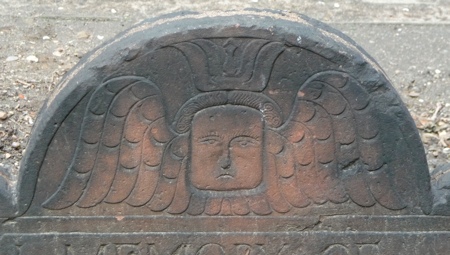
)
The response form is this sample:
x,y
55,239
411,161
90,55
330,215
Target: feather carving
x,y
334,138
120,149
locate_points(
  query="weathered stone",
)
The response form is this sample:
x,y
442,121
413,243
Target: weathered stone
x,y
3,115
224,133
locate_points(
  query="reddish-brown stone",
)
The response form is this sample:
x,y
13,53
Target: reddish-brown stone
x,y
247,132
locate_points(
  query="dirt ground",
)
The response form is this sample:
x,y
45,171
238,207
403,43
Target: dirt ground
x,y
41,40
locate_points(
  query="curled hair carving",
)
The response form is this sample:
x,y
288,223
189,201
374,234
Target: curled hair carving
x,y
270,110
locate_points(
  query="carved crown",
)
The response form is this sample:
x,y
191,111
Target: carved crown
x,y
231,64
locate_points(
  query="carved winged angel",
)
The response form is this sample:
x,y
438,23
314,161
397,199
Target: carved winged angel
x,y
229,151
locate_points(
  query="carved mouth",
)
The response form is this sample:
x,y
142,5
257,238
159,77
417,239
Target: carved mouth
x,y
225,176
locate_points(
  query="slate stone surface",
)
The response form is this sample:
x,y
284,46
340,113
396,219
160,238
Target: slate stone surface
x,y
249,132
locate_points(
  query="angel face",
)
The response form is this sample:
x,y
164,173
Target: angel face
x,y
226,148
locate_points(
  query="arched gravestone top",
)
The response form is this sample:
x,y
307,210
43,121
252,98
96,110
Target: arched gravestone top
x,y
250,113
249,132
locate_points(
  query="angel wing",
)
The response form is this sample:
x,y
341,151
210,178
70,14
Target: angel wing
x,y
124,151
333,149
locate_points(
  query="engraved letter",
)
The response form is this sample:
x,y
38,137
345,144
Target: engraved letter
x,y
336,249
211,249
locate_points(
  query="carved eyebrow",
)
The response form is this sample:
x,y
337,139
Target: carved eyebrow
x,y
247,136
210,135
247,133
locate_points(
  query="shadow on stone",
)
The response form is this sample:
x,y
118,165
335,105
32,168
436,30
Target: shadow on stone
x,y
189,131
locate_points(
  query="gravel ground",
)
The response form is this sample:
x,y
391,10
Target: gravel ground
x,y
41,40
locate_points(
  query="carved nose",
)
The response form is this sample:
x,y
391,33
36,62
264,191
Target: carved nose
x,y
225,162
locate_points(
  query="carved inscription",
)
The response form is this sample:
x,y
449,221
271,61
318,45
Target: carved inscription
x,y
352,249
185,248
230,150
125,249
143,248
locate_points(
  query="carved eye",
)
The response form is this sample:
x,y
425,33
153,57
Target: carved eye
x,y
209,140
245,141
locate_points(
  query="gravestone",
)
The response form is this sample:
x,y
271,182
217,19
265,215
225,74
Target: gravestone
x,y
248,132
